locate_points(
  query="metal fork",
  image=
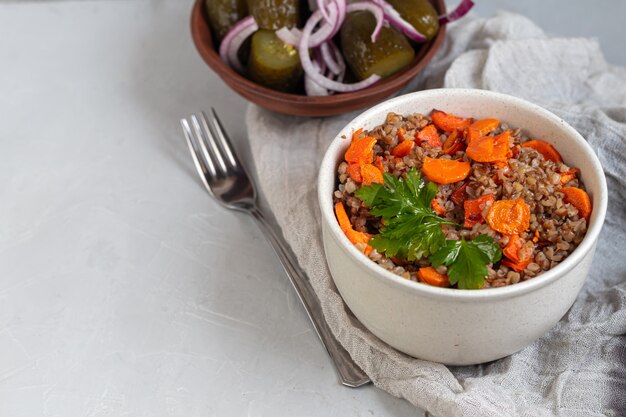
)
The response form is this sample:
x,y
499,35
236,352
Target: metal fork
x,y
227,181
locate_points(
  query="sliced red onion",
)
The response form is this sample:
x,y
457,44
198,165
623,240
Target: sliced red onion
x,y
321,6
327,30
289,36
332,57
310,70
340,60
460,11
399,23
337,10
376,10
234,38
342,10
311,87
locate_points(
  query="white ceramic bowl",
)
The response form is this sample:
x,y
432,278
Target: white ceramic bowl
x,y
461,327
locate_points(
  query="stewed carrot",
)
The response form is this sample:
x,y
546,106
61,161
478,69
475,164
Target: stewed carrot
x,y
354,171
430,276
437,207
403,149
474,209
354,236
545,149
361,150
509,216
485,126
453,144
579,199
488,149
371,174
445,171
429,135
449,122
512,252
459,195
569,175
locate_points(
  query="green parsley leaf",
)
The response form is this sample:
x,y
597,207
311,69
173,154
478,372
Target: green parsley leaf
x,y
412,228
467,260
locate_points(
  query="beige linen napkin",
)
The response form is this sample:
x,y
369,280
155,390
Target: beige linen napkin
x,y
579,367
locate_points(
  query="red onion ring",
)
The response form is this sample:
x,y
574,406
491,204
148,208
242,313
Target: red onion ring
x,y
460,11
309,68
375,9
332,57
327,30
342,11
311,87
399,23
289,36
321,6
234,38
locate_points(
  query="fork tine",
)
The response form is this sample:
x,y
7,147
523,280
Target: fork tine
x,y
209,137
222,138
202,137
204,168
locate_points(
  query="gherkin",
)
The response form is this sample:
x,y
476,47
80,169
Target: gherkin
x,y
223,14
419,13
275,14
391,52
274,63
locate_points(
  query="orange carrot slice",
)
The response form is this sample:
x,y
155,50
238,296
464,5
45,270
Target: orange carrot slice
x,y
352,235
361,149
453,144
459,195
516,266
474,208
579,199
484,126
437,207
569,175
509,217
488,149
342,217
360,237
403,149
402,136
511,252
429,135
354,171
430,276
379,164
445,171
371,174
449,122
548,151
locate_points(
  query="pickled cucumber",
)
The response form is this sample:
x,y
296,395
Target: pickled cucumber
x,y
419,13
223,14
391,53
275,14
273,63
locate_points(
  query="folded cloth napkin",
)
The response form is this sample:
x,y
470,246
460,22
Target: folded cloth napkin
x,y
579,367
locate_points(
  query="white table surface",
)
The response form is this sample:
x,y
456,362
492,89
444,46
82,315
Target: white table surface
x,y
125,291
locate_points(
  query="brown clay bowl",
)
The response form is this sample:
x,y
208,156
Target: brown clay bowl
x,y
302,105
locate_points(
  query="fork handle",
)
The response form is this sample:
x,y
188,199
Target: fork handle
x,y
349,372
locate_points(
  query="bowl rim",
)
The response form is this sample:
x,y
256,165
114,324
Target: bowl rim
x,y
200,31
600,196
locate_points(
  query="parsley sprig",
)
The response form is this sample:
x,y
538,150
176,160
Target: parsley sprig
x,y
467,260
412,230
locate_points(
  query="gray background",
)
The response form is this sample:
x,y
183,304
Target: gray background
x,y
125,291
